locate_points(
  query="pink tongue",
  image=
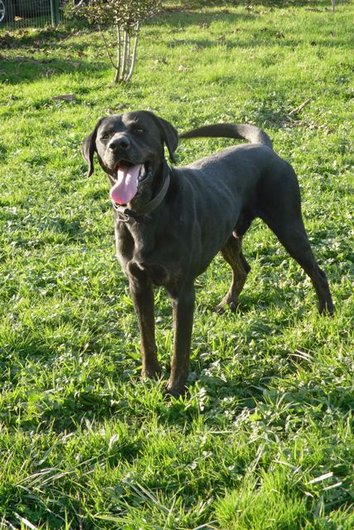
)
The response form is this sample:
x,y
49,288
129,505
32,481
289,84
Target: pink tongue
x,y
124,190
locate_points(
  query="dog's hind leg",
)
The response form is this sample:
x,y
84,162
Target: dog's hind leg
x,y
280,208
292,234
232,253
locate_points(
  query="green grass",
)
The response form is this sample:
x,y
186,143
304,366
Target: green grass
x,y
264,437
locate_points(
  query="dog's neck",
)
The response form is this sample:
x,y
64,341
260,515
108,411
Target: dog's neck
x,y
141,207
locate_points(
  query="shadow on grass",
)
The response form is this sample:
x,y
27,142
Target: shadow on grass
x,y
65,411
264,37
180,17
191,5
32,37
23,69
233,398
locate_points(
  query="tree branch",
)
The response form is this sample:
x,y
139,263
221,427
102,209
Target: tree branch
x,y
106,46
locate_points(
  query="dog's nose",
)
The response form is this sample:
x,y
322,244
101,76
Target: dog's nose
x,y
119,143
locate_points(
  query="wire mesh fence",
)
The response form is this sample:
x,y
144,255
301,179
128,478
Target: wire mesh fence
x,y
24,13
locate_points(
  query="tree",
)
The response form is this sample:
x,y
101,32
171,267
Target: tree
x,y
125,16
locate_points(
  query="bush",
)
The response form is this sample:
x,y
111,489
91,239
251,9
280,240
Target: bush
x,y
125,16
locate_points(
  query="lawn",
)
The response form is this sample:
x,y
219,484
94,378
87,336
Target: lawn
x,y
263,439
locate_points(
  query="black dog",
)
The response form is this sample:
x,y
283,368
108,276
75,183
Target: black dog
x,y
170,223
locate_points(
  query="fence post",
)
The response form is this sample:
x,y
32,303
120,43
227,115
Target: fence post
x,y
54,11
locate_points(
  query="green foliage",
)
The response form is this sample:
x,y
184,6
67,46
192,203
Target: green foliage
x,y
266,427
125,14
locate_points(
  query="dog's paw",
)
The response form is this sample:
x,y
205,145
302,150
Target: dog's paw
x,y
173,390
231,305
326,309
151,372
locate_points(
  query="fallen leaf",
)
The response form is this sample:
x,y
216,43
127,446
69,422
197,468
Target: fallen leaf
x,y
65,97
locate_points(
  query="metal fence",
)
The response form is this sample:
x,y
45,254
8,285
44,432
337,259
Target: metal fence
x,y
24,13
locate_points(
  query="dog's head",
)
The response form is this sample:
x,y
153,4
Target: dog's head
x,y
130,149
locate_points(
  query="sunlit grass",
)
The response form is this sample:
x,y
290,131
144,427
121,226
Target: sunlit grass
x,y
263,438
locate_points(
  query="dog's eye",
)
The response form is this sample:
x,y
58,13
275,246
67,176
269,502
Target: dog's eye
x,y
105,136
138,129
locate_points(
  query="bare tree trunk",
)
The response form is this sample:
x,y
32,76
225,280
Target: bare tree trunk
x,y
133,55
127,64
124,55
126,52
118,63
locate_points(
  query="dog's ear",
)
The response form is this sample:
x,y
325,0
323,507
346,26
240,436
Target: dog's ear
x,y
88,148
169,134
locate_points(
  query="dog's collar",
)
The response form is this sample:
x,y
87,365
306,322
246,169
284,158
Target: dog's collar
x,y
124,214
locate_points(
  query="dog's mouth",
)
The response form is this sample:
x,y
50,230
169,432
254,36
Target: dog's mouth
x,y
128,177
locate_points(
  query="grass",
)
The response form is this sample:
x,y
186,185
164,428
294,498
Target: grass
x,y
264,437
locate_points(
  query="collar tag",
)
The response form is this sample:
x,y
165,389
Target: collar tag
x,y
122,211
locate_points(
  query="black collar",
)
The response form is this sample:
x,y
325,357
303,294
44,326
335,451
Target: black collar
x,y
124,214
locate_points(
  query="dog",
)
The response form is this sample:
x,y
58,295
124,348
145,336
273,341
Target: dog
x,y
171,222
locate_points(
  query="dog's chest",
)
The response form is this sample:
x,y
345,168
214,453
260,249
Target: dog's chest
x,y
151,251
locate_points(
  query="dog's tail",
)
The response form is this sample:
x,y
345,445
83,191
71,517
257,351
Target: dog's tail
x,y
228,130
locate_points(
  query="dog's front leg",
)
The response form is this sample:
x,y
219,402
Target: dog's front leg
x,y
183,308
143,298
